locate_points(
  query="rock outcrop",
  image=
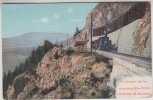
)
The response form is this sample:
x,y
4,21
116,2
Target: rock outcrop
x,y
75,76
102,15
142,35
112,18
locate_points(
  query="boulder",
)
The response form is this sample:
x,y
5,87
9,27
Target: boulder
x,y
99,69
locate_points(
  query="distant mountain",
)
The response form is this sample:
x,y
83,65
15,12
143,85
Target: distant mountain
x,y
33,39
17,49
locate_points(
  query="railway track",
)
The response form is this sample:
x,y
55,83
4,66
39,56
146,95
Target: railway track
x,y
140,61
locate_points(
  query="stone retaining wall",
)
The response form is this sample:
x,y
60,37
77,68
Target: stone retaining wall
x,y
123,69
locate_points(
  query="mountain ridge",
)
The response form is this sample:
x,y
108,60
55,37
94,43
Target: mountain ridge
x,y
33,39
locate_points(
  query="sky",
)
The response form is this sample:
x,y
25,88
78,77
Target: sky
x,y
18,19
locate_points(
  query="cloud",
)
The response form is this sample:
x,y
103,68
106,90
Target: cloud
x,y
56,16
70,10
44,20
75,20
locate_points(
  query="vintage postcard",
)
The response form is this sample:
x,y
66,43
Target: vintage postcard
x,y
76,50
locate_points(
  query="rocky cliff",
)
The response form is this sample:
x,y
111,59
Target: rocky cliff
x,y
75,76
112,17
103,14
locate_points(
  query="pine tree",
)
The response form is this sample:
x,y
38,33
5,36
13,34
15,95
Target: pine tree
x,y
56,56
47,46
76,32
69,51
29,65
39,53
5,84
9,77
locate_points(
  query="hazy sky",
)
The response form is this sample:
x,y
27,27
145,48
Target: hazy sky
x,y
18,19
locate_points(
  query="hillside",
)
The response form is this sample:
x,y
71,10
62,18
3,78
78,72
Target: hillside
x,y
73,76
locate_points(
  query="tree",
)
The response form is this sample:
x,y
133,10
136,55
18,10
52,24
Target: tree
x,y
9,77
56,56
76,32
47,46
29,65
69,51
5,84
39,53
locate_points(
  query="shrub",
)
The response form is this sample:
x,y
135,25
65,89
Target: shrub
x,y
69,51
56,56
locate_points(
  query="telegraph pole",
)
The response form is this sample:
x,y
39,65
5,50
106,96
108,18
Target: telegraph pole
x,y
91,34
67,41
57,42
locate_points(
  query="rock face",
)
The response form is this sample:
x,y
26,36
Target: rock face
x,y
113,19
103,14
22,85
75,76
142,35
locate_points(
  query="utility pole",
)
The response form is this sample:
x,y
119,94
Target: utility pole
x,y
67,41
91,33
57,42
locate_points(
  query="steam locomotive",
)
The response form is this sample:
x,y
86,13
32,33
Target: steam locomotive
x,y
103,43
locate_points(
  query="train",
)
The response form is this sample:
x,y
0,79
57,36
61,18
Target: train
x,y
103,43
